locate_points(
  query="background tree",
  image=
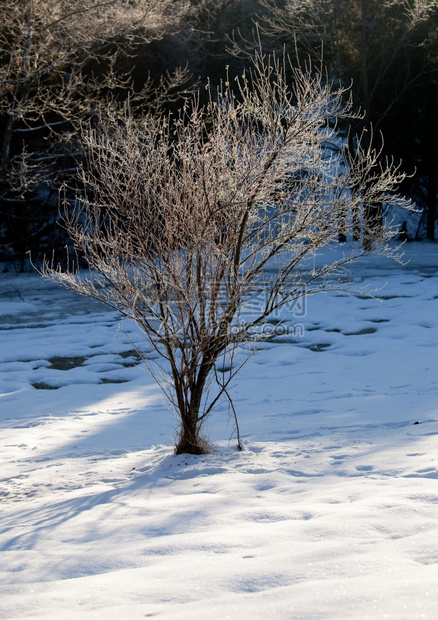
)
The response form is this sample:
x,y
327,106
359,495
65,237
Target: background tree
x,y
59,61
413,128
181,221
384,49
215,23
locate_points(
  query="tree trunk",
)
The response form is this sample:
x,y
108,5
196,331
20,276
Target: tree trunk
x,y
190,440
373,225
431,200
6,144
355,211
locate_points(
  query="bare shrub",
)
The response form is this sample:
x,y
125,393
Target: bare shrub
x,y
182,219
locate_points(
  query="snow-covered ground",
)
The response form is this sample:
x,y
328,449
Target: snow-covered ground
x,y
330,511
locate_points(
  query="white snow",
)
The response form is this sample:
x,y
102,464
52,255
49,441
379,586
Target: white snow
x,y
330,511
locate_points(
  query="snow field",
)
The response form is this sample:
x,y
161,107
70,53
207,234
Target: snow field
x,y
329,512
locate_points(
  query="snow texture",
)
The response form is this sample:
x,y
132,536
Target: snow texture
x,y
330,511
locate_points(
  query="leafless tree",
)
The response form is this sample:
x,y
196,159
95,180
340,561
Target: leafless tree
x,y
182,219
356,37
370,43
59,61
45,45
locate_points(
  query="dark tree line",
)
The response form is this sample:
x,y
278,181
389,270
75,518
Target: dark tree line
x,y
62,61
388,51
